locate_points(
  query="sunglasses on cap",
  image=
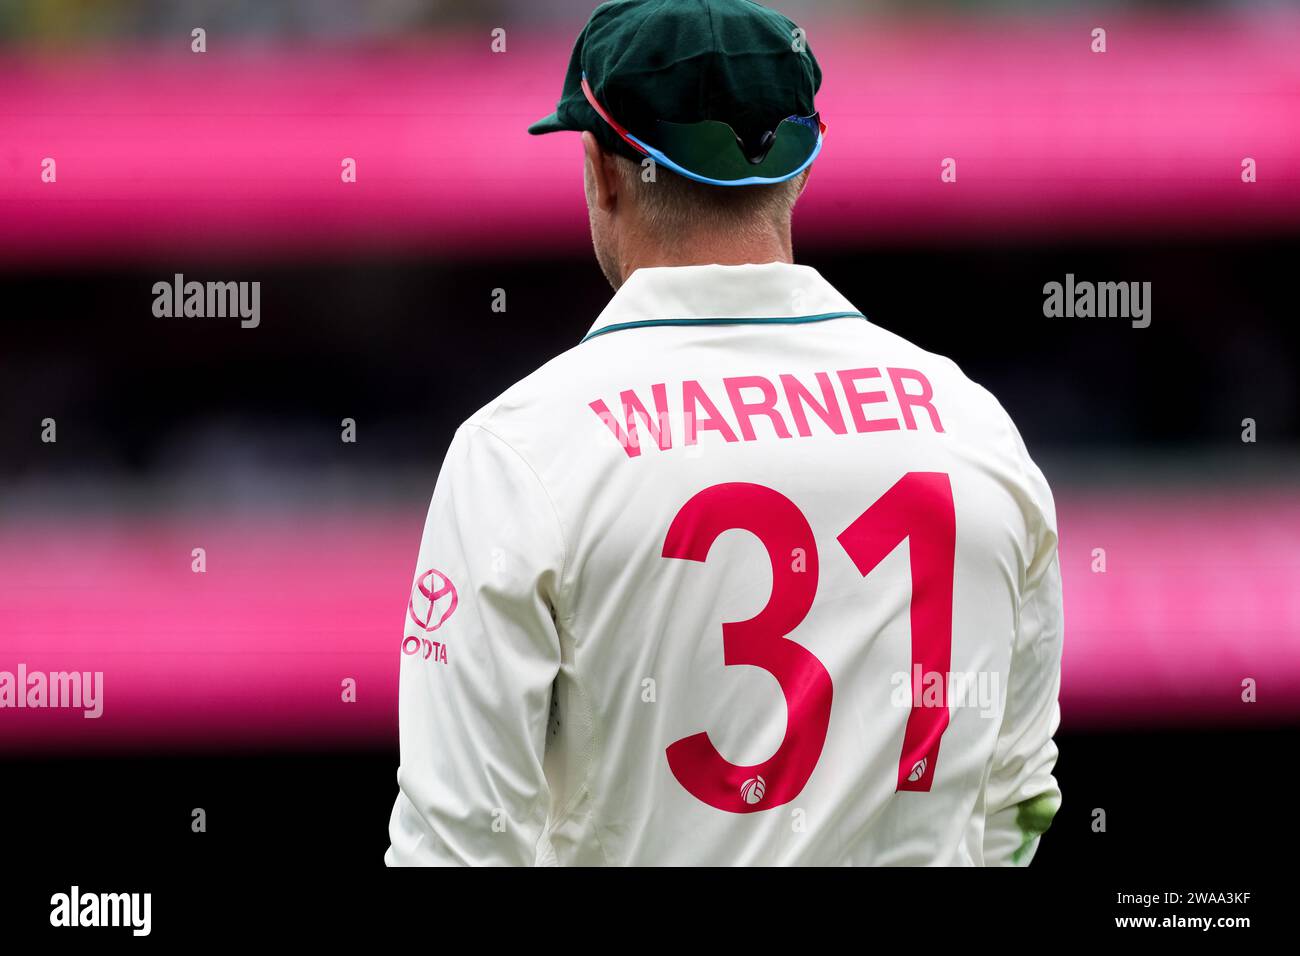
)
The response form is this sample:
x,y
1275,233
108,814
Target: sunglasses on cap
x,y
711,152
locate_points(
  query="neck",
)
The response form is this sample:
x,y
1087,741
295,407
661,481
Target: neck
x,y
773,245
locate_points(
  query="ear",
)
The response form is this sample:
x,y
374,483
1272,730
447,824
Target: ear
x,y
600,167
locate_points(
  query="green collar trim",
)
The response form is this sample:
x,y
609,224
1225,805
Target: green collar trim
x,y
780,320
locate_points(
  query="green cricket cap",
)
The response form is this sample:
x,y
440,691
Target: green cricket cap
x,y
720,91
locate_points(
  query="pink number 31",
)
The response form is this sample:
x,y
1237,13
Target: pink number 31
x,y
918,507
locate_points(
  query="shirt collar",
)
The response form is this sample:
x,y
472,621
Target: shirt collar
x,y
755,293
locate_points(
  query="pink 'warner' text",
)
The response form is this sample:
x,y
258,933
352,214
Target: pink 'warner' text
x,y
782,408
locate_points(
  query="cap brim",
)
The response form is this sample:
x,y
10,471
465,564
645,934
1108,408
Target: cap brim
x,y
549,124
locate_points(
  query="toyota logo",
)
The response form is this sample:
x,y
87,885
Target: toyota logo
x,y
432,600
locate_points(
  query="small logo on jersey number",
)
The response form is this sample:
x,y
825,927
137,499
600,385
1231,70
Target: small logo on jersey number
x,y
752,790
433,599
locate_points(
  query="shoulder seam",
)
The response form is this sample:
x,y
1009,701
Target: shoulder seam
x,y
555,512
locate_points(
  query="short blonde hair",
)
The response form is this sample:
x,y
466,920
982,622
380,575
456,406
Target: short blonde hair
x,y
672,204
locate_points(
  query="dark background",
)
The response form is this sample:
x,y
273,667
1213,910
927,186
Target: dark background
x,y
412,348
1177,803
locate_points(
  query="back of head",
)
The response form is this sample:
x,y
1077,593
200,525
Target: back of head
x,y
671,205
706,108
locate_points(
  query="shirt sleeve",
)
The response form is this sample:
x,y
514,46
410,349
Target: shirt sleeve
x,y
1022,796
479,655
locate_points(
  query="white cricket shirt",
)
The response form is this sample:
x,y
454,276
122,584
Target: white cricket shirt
x,y
740,579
